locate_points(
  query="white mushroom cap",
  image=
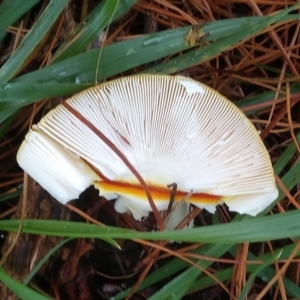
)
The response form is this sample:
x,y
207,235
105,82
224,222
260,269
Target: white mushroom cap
x,y
64,174
171,129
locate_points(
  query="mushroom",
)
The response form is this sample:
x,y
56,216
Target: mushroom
x,y
172,129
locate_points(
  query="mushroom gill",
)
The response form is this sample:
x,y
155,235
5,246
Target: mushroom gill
x,y
172,129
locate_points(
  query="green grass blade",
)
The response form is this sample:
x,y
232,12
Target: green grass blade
x,y
86,32
43,260
266,274
258,270
165,271
264,97
11,11
19,289
115,58
247,230
211,50
4,115
176,265
16,95
169,269
31,40
81,68
290,179
125,55
4,127
12,195
286,156
180,285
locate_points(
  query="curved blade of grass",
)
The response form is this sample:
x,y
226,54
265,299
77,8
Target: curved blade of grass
x,y
5,114
115,58
19,289
248,230
11,11
290,179
176,264
86,32
112,57
258,270
125,55
211,50
6,125
44,259
12,195
15,95
178,286
81,68
286,156
264,97
268,273
168,269
31,40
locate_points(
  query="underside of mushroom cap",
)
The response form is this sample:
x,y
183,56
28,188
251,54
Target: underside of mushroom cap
x,y
64,174
171,129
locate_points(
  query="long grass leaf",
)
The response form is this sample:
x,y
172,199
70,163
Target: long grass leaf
x,y
86,32
258,270
19,289
11,11
14,96
247,230
211,50
44,259
180,285
31,40
266,97
286,156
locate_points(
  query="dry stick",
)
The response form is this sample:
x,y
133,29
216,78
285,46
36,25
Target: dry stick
x,y
280,285
172,197
283,73
140,279
122,156
158,248
276,40
182,256
23,209
279,273
3,260
288,109
83,214
182,13
112,146
8,212
24,197
278,117
286,192
101,48
278,43
153,256
15,239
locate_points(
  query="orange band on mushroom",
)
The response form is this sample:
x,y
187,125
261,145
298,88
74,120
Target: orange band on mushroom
x,y
158,193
